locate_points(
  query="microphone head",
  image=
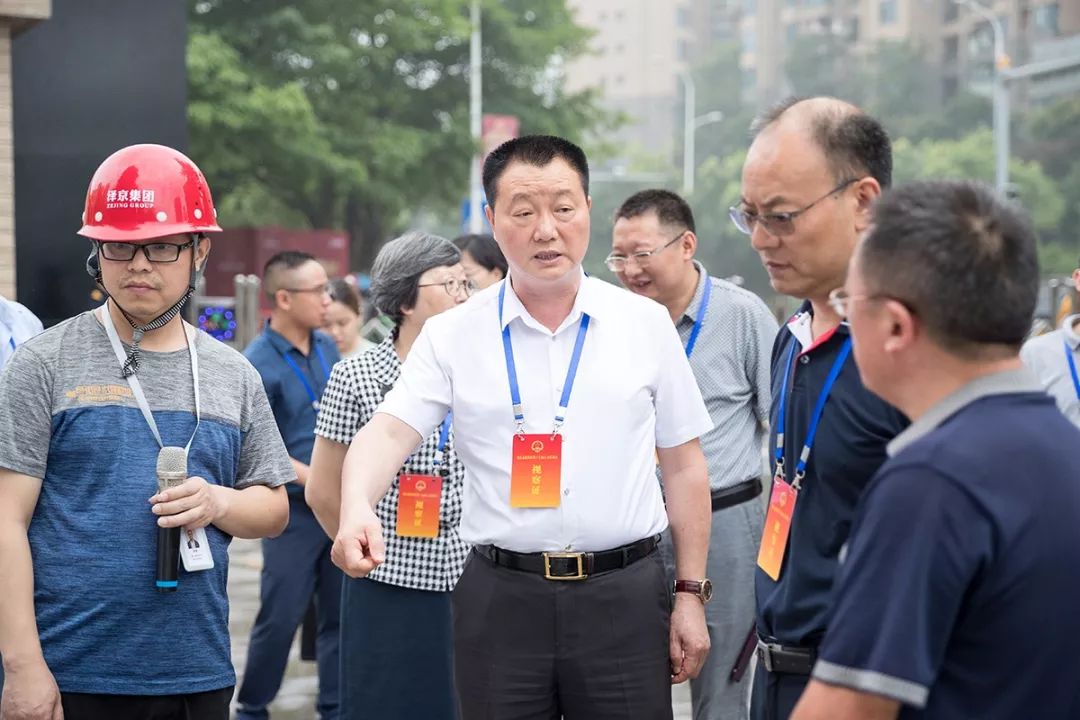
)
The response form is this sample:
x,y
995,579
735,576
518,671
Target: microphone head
x,y
172,460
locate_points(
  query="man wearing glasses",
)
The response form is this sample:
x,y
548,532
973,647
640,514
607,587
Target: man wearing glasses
x,y
966,542
727,334
88,631
294,359
812,173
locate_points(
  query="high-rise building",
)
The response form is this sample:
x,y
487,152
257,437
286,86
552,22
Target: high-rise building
x,y
637,55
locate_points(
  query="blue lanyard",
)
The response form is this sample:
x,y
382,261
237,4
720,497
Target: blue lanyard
x,y
700,317
1072,368
511,370
819,408
11,341
444,437
303,378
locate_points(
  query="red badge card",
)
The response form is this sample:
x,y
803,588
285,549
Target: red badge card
x,y
774,540
535,471
418,506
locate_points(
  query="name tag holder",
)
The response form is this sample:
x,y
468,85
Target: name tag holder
x,y
782,500
536,459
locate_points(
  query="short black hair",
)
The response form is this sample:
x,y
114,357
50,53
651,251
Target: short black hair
x,y
536,150
669,207
484,250
854,143
284,260
963,258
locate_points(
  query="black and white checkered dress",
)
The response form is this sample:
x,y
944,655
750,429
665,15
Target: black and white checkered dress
x,y
353,393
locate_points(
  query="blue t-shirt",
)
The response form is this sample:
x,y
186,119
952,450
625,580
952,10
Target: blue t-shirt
x,y
960,591
289,397
68,417
855,427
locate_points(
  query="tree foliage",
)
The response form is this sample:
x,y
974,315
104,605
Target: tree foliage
x,y
354,113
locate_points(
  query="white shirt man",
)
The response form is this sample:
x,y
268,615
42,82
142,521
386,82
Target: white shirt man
x,y
611,365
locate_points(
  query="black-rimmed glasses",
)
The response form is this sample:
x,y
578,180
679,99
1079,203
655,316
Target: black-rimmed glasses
x,y
158,252
617,263
777,224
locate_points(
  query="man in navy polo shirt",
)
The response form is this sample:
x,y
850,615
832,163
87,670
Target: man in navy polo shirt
x,y
957,597
812,174
294,361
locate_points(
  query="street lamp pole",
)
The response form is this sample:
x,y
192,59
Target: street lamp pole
x,y
689,101
1002,111
475,79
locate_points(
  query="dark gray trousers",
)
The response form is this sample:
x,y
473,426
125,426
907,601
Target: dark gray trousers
x,y
527,648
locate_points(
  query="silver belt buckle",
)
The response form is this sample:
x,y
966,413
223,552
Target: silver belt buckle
x,y
764,653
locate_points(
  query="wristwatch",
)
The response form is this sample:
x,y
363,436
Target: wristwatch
x,y
702,589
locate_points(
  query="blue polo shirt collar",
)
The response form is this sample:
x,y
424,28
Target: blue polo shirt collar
x,y
1006,382
281,344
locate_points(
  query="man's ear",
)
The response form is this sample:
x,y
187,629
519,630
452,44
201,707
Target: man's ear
x,y
202,252
867,192
903,328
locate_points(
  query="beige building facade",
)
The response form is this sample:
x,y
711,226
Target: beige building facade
x,y
15,16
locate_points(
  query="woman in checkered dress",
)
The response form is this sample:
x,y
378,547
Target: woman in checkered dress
x,y
396,632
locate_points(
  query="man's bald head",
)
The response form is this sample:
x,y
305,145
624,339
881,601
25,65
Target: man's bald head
x,y
854,144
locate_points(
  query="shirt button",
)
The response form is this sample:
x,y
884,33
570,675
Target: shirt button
x,y
804,359
566,491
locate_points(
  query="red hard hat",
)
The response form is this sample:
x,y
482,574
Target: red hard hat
x,y
147,191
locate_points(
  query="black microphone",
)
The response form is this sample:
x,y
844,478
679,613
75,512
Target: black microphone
x,y
171,472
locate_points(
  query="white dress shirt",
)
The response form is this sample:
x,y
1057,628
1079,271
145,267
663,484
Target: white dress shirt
x,y
634,392
17,325
1045,357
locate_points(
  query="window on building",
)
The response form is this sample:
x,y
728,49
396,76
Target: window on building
x,y
749,38
682,51
1046,20
888,12
949,87
792,31
952,49
952,11
749,6
682,16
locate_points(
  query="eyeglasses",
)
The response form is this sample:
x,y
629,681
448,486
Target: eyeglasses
x,y
160,252
780,223
617,263
454,286
840,301
323,289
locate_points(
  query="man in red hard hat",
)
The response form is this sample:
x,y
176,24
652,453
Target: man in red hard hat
x,y
88,411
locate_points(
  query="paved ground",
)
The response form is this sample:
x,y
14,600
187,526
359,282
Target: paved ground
x,y
296,701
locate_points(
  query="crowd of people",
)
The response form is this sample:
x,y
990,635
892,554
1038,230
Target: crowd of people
x,y
543,495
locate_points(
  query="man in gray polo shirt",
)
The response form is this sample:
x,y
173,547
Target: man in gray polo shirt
x,y
1055,358
728,334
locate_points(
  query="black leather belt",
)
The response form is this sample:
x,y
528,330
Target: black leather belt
x,y
736,494
570,565
786,659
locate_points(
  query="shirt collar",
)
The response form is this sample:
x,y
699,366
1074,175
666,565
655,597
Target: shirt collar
x,y
280,343
1005,382
1069,331
799,326
588,300
691,310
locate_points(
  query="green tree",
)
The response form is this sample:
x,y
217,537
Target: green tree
x,y
354,113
